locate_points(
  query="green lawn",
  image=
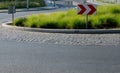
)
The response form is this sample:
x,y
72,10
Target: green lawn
x,y
106,17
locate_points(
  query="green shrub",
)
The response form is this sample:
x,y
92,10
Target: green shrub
x,y
117,17
71,12
77,22
32,21
108,21
113,9
4,5
94,22
63,23
20,21
58,15
22,4
107,17
49,23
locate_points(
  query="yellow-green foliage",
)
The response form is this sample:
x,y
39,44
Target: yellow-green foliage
x,y
113,9
106,17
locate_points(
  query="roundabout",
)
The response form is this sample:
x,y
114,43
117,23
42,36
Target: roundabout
x,y
26,50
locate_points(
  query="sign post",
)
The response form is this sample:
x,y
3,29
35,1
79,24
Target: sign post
x,y
87,9
86,21
27,4
11,10
54,3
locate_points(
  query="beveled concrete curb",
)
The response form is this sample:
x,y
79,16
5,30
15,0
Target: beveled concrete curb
x,y
69,31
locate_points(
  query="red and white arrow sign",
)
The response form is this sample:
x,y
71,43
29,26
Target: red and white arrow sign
x,y
88,9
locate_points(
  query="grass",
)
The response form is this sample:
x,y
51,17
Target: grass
x,y
106,17
107,1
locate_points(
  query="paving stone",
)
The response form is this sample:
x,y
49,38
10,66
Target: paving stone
x,y
59,38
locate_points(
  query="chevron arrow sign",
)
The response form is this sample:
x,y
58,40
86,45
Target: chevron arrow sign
x,y
87,9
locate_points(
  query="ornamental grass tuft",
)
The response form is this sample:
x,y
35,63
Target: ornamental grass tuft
x,y
106,17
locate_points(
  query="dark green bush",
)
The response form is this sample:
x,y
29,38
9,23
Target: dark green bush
x,y
20,21
108,21
50,25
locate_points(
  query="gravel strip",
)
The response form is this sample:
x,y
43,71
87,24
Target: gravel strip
x,y
59,38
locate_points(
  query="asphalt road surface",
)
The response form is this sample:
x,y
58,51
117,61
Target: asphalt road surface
x,y
24,57
23,52
8,17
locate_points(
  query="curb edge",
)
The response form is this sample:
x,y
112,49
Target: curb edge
x,y
69,31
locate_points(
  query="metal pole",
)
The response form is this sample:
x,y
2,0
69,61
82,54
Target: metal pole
x,y
13,18
27,4
86,21
51,2
116,1
54,2
85,2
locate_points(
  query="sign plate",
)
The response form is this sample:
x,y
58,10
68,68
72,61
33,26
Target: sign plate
x,y
87,9
11,10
